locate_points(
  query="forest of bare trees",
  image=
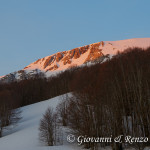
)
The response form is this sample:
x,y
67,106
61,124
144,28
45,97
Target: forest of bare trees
x,y
113,98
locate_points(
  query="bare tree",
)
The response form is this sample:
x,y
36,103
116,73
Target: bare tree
x,y
62,110
48,127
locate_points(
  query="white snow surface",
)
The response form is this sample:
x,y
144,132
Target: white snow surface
x,y
112,47
25,135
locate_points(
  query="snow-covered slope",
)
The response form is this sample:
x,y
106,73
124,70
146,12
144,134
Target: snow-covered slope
x,y
76,57
112,47
25,135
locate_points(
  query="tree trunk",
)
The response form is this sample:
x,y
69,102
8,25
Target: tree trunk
x,y
0,133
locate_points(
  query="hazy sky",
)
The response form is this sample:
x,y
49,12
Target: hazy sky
x,y
32,29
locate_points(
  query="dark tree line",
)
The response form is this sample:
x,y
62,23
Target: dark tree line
x,y
37,88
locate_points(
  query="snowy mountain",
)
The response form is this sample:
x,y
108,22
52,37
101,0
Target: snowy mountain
x,y
76,57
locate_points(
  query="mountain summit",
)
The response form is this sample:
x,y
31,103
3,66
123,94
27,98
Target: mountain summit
x,y
75,57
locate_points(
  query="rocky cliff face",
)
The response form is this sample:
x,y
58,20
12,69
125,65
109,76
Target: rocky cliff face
x,y
66,59
75,57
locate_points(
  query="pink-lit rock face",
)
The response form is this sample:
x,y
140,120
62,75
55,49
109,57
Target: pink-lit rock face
x,y
67,59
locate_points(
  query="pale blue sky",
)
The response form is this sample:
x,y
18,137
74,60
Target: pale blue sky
x,y
32,29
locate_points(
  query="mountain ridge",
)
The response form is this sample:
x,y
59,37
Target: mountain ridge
x,y
75,57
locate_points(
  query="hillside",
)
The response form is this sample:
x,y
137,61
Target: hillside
x,y
25,135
